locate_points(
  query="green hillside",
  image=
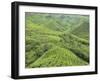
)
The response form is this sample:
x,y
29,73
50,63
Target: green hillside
x,y
58,57
82,31
53,40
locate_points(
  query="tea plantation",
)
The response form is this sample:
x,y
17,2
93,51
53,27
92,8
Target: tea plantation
x,y
56,40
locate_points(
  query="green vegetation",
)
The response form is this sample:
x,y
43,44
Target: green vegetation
x,y
56,40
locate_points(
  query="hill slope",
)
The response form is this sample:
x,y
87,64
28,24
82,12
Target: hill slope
x,y
58,57
82,31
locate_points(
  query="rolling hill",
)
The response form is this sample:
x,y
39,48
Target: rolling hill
x,y
56,40
58,57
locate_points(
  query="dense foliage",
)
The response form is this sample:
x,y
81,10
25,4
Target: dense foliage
x,y
53,40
